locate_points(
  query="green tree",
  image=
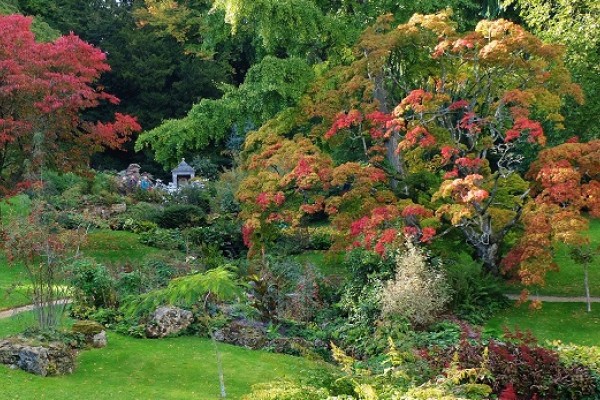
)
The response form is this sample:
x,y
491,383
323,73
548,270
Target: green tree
x,y
270,86
573,23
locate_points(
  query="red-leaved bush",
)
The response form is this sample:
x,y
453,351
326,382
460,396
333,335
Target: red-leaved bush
x,y
520,369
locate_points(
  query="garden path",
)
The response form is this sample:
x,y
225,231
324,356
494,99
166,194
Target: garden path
x,y
18,310
556,299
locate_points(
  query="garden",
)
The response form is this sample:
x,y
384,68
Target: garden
x,y
299,199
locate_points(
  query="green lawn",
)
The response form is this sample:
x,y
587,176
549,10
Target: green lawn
x,y
568,322
108,247
327,263
174,368
10,276
568,281
12,291
15,206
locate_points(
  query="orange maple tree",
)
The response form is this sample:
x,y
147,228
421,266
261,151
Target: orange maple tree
x,y
567,188
433,118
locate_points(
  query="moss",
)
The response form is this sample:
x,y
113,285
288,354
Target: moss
x,y
87,328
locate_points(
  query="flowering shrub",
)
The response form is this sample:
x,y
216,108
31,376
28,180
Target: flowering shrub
x,y
521,369
417,292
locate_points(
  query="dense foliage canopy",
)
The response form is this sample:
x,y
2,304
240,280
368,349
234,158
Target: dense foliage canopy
x,y
44,87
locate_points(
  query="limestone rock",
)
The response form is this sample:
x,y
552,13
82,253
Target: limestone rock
x,y
99,340
168,320
94,333
34,359
87,327
118,208
45,360
243,333
9,352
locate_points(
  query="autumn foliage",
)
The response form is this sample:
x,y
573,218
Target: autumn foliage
x,y
44,88
567,186
436,123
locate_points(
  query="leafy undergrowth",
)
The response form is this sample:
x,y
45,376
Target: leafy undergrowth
x,y
568,322
174,368
568,281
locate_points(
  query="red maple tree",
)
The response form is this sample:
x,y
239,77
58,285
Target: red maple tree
x,y
44,88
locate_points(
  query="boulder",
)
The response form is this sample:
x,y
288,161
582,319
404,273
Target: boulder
x,y
94,333
53,358
167,321
99,340
118,208
86,327
243,333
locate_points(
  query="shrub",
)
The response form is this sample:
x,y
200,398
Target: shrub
x,y
571,354
152,274
166,239
223,232
56,183
476,296
137,226
93,284
142,211
418,292
320,240
365,265
104,183
286,391
192,195
180,216
68,200
519,366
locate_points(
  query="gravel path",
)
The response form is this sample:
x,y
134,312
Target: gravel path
x,y
18,310
556,299
550,299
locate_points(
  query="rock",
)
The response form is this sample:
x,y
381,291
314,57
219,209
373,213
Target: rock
x,y
118,208
99,340
94,333
294,346
243,333
9,352
87,327
168,320
49,359
34,359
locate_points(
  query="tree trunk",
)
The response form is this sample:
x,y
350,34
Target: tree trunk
x,y
489,255
587,288
381,96
219,365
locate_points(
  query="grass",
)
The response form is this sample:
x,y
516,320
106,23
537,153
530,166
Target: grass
x,y
12,293
105,246
15,206
568,322
568,281
329,264
173,368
